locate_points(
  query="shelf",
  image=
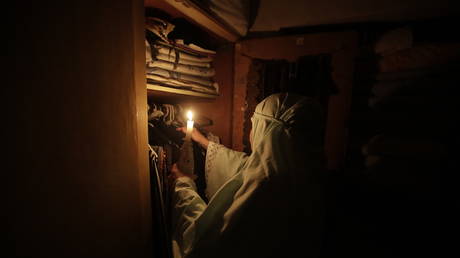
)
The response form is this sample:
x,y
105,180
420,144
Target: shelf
x,y
195,14
167,93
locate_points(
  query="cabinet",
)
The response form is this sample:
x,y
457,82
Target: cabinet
x,y
161,94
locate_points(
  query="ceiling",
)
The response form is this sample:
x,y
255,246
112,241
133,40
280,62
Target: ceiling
x,y
273,15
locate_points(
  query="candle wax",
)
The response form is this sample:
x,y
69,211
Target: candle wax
x,y
188,135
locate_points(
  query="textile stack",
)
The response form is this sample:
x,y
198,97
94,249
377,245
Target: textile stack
x,y
175,64
403,141
411,100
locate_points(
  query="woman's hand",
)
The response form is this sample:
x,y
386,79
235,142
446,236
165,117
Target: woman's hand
x,y
196,136
176,173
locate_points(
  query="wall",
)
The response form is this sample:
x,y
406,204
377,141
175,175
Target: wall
x,y
78,161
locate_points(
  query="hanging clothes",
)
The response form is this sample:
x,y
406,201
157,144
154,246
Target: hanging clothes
x,y
160,221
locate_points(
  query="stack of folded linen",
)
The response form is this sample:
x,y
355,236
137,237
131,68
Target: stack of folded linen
x,y
172,63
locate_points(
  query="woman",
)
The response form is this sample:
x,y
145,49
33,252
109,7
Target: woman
x,y
267,204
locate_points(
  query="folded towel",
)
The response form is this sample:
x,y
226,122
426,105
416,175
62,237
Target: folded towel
x,y
205,81
170,58
187,69
178,83
173,52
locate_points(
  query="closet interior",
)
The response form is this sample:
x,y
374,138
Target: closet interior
x,y
189,68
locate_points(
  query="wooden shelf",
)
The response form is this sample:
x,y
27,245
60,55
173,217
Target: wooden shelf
x,y
195,14
174,95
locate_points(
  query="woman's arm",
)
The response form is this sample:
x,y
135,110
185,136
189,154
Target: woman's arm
x,y
187,206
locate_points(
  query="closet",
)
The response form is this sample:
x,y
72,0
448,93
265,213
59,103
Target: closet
x,y
189,67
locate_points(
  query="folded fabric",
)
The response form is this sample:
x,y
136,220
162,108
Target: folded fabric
x,y
187,69
159,27
404,147
205,81
401,103
181,84
420,56
194,47
173,52
170,58
148,52
169,55
388,88
190,88
441,84
185,48
394,40
416,179
410,73
236,14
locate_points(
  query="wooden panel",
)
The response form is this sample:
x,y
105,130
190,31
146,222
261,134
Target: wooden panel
x,y
79,186
339,109
140,122
242,64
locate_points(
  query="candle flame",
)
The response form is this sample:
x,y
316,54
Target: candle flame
x,y
189,115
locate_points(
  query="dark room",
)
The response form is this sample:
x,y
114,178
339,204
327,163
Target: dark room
x,y
232,128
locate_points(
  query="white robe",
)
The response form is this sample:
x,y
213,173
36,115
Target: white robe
x,y
267,204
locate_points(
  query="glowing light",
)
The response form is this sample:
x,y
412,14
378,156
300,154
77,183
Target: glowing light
x,y
189,115
188,134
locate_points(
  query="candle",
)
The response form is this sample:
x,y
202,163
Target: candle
x,y
188,134
186,162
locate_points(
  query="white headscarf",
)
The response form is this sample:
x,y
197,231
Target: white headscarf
x,y
273,195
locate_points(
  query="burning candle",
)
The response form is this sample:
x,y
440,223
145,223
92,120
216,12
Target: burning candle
x,y
188,134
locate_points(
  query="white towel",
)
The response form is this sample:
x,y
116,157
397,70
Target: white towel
x,y
205,81
170,58
180,84
182,55
187,69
